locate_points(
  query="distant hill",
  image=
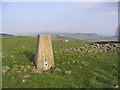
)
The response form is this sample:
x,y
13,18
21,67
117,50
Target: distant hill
x,y
80,36
4,34
89,34
91,37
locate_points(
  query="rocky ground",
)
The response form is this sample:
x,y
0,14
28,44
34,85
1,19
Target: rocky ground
x,y
94,48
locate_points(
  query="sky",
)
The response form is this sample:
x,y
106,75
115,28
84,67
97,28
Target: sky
x,y
71,17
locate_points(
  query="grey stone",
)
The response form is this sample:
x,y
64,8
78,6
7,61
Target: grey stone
x,y
73,61
83,62
28,66
36,71
27,76
58,69
12,77
23,80
77,47
68,72
97,48
117,86
5,69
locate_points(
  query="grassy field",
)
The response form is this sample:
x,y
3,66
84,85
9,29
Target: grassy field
x,y
0,62
90,70
91,37
61,38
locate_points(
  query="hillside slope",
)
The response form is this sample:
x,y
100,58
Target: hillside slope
x,y
72,69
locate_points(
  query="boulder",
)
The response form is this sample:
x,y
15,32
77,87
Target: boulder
x,y
117,86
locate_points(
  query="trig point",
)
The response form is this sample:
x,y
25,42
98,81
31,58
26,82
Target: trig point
x,y
44,55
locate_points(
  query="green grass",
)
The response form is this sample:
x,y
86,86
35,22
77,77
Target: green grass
x,y
98,70
91,37
0,62
61,38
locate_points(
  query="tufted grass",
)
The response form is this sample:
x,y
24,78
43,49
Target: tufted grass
x,y
90,70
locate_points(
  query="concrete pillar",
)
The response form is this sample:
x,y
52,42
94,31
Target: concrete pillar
x,y
44,55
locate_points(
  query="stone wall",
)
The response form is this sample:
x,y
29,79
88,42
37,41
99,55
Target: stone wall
x,y
115,47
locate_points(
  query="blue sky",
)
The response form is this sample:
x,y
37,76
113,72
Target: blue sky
x,y
79,17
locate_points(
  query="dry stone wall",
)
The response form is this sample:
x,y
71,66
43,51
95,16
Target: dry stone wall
x,y
115,47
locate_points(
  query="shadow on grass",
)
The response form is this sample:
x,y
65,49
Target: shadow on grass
x,y
30,56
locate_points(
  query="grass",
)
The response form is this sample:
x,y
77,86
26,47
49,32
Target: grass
x,y
61,38
0,62
90,70
91,37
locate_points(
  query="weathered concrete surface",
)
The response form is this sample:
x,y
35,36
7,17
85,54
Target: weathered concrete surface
x,y
44,55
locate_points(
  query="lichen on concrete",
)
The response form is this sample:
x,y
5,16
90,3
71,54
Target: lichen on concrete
x,y
44,55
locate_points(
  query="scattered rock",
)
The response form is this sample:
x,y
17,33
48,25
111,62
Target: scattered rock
x,y
96,48
64,62
95,51
117,86
12,77
73,61
23,80
68,72
58,69
77,47
83,62
22,66
68,62
5,69
28,66
36,71
18,71
23,47
14,62
12,56
27,76
24,70
80,66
